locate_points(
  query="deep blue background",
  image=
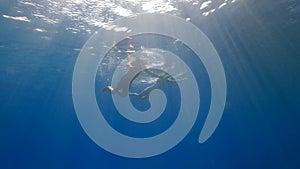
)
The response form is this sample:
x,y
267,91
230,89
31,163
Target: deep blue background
x,y
258,42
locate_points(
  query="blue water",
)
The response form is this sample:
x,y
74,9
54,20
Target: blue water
x,y
258,43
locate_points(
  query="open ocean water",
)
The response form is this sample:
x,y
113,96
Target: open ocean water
x,y
258,42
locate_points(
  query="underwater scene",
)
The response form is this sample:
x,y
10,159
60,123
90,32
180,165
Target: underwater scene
x,y
181,84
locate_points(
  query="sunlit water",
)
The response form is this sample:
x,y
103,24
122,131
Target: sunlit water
x,y
258,42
